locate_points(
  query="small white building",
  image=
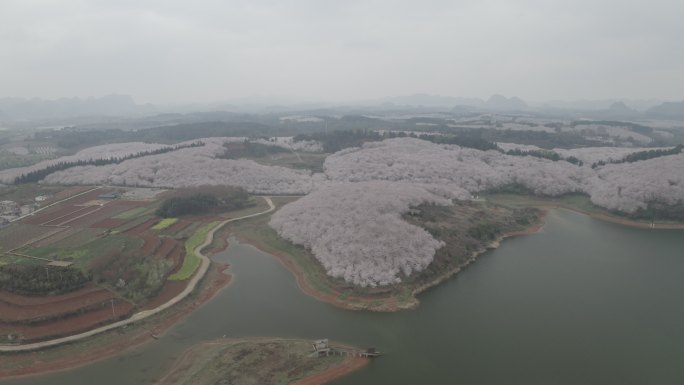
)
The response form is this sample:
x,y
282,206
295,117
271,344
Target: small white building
x,y
321,347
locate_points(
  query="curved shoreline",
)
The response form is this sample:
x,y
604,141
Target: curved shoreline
x,y
361,302
491,246
303,284
611,218
197,276
601,213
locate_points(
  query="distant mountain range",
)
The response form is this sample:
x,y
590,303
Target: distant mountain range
x,y
668,110
495,102
17,109
598,109
77,110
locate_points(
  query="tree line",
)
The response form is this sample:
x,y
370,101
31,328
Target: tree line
x,y
37,175
641,155
41,280
249,149
193,201
543,154
340,139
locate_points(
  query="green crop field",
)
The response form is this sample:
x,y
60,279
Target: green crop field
x,y
83,255
164,223
192,261
135,213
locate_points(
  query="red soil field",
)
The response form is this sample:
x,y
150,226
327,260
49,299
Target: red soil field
x,y
167,245
72,237
168,291
40,317
67,219
22,300
12,313
71,325
50,214
58,236
141,228
151,243
17,236
109,223
105,212
176,255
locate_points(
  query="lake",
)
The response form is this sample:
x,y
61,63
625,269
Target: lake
x,y
581,302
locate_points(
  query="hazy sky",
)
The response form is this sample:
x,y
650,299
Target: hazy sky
x,y
180,51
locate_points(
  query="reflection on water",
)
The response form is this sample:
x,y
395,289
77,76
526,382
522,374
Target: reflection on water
x,y
582,302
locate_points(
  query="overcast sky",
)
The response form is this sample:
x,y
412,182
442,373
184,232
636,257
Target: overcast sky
x,y
164,51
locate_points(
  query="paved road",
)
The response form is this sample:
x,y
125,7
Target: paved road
x,y
204,267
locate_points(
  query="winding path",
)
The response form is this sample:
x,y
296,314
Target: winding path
x,y
204,267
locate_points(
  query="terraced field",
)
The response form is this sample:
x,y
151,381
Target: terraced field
x,y
131,256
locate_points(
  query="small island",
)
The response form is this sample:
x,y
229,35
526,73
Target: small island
x,y
259,361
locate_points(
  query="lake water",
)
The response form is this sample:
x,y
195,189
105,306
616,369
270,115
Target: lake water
x,y
581,302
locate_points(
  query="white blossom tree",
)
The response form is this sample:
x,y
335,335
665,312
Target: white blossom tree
x,y
357,233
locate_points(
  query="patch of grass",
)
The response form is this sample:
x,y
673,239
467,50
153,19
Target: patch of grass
x,y
256,205
134,213
18,234
192,261
303,160
83,255
164,223
576,201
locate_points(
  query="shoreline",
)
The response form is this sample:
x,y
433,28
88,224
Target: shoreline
x,y
602,214
536,228
611,218
142,334
392,302
302,283
349,365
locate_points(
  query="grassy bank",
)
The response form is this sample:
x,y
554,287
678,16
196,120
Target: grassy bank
x,y
579,203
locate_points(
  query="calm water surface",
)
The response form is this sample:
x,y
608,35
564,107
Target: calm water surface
x,y
582,302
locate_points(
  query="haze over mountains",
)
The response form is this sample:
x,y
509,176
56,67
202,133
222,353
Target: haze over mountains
x,y
36,109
